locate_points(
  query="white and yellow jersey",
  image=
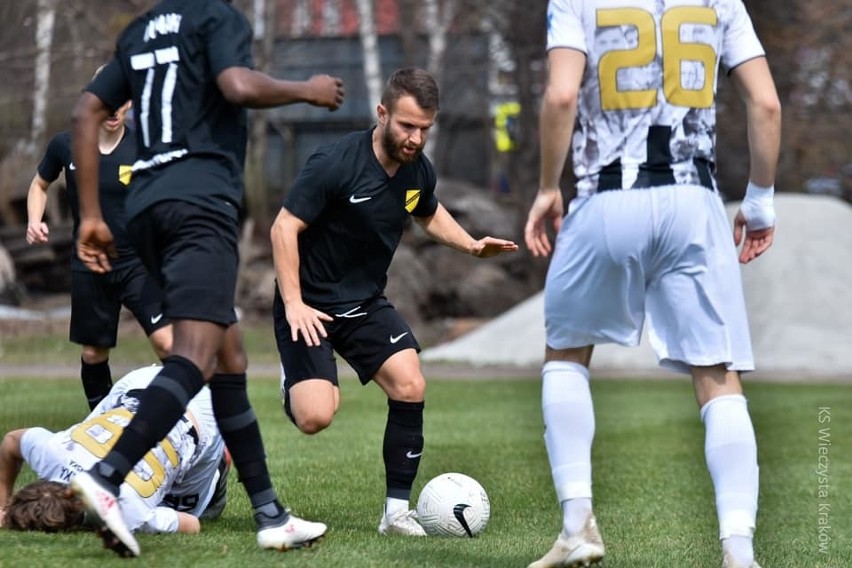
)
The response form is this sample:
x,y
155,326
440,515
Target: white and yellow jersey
x,y
646,114
181,470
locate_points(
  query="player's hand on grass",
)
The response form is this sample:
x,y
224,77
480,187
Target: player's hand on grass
x,y
95,245
37,233
755,243
326,91
547,206
487,247
306,321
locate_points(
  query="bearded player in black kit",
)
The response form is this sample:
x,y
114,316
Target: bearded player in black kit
x,y
186,65
332,242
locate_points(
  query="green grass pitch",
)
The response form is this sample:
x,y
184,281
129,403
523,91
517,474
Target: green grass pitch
x,y
653,496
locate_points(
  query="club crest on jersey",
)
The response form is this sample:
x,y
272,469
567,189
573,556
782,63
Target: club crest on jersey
x,y
412,198
124,174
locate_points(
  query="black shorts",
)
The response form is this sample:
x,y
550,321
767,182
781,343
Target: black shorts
x,y
96,301
193,252
365,336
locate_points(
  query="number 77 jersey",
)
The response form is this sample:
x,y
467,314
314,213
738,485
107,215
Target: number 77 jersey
x,y
191,141
646,112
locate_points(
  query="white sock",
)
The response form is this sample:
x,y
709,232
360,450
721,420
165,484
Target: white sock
x,y
731,452
569,421
740,548
575,513
394,506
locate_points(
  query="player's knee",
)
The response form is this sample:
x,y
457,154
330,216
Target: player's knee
x,y
232,363
410,389
161,342
312,422
311,404
92,355
162,352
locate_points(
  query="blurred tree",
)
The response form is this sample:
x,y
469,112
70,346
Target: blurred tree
x,y
263,16
438,17
45,19
83,36
370,46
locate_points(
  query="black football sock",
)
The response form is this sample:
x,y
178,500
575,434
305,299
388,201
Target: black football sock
x,y
403,446
161,405
97,380
238,425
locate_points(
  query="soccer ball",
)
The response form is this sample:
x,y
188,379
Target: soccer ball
x,y
453,504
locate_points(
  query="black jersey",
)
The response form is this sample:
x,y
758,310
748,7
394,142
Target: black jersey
x,y
114,174
192,142
355,214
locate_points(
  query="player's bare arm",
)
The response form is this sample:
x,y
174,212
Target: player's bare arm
x,y
37,230
249,88
94,240
755,243
558,112
188,524
763,109
442,227
10,464
302,318
754,224
547,206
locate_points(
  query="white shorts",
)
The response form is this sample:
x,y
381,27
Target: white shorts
x,y
666,253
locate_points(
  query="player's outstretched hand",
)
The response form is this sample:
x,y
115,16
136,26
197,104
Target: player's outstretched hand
x,y
487,247
755,242
95,245
37,233
547,205
306,321
327,91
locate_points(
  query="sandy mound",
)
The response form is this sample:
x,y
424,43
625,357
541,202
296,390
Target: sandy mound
x,y
798,295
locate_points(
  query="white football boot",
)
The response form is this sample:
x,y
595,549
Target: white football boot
x,y
295,533
402,523
104,512
575,551
729,562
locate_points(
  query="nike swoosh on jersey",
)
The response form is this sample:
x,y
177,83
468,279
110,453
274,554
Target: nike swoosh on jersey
x,y
394,339
353,199
156,318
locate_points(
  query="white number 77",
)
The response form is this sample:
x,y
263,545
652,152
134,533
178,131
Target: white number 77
x,y
153,61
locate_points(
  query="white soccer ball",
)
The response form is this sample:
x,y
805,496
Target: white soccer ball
x,y
453,504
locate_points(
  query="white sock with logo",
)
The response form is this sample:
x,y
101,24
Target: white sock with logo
x,y
569,421
731,452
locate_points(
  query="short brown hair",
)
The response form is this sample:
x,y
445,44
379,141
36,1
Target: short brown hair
x,y
411,81
43,506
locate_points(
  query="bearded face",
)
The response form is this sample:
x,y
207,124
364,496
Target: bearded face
x,y
399,146
405,129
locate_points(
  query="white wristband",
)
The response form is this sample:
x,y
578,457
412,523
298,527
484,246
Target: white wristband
x,y
758,207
